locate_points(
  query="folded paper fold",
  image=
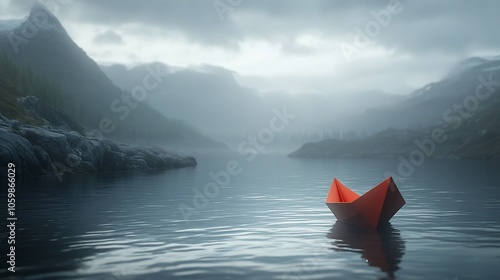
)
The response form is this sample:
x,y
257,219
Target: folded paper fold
x,y
375,207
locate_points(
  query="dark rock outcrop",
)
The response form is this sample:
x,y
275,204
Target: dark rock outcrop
x,y
56,148
18,150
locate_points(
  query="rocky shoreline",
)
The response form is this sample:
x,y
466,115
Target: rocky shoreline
x,y
55,148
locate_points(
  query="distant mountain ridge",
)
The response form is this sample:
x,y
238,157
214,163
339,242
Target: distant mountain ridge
x,y
459,117
426,106
225,108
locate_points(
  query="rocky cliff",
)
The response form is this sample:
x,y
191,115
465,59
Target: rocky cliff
x,y
59,146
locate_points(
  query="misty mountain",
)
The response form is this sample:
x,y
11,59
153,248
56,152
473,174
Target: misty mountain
x,y
223,108
427,106
220,106
41,44
331,111
462,113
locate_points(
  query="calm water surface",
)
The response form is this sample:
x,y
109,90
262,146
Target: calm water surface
x,y
270,222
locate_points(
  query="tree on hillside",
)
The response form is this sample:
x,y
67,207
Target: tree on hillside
x,y
27,83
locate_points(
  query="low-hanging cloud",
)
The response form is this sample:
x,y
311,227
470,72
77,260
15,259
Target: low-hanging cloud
x,y
424,26
296,37
108,37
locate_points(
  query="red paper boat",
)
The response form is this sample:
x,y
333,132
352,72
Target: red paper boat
x,y
375,207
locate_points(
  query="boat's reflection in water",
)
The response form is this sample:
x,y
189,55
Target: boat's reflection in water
x,y
382,247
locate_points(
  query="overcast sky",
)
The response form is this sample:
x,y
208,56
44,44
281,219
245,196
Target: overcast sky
x,y
302,46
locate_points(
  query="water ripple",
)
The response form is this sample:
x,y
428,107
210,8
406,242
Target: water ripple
x,y
275,226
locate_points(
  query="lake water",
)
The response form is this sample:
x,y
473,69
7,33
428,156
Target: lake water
x,y
270,222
